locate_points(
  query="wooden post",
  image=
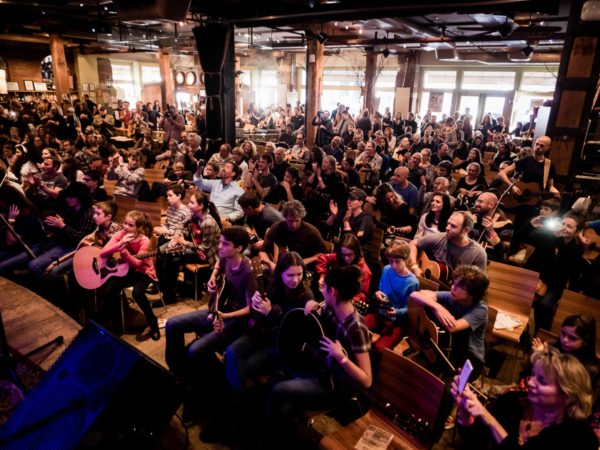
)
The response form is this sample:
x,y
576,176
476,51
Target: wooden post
x,y
370,77
284,76
314,86
59,67
167,90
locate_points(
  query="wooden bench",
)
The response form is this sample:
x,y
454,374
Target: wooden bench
x,y
511,291
403,391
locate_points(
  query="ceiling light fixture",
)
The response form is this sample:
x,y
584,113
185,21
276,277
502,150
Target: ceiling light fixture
x,y
527,51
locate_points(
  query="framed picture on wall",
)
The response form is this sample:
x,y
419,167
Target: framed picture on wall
x,y
40,87
85,87
92,87
28,85
12,85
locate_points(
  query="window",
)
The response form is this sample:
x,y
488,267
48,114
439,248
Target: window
x,y
488,80
439,79
438,102
123,82
150,74
538,81
267,88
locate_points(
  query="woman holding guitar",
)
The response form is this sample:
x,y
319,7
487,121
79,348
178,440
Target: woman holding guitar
x,y
346,345
131,240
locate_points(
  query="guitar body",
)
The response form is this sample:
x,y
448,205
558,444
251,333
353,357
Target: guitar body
x,y
257,324
92,271
298,345
422,331
433,270
217,298
530,195
593,248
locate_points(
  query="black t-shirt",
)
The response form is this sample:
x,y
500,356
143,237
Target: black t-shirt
x,y
532,171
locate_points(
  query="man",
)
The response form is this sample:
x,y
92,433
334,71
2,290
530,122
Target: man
x,y
364,124
258,216
297,120
335,149
43,189
299,151
223,156
129,175
462,312
408,191
369,158
344,123
353,219
260,178
224,193
325,128
104,123
173,123
280,165
148,147
531,169
215,330
442,154
294,234
452,248
92,179
497,228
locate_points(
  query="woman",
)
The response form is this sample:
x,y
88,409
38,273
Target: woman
x,y
349,252
255,352
347,344
470,186
436,218
559,399
474,156
461,151
128,242
388,132
503,154
200,241
485,126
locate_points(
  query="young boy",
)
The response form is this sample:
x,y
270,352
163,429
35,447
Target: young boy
x,y
396,284
196,363
104,213
463,312
178,215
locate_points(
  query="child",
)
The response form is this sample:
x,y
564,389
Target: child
x,y
131,240
178,216
396,284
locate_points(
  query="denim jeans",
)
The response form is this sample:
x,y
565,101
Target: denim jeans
x,y
187,362
247,357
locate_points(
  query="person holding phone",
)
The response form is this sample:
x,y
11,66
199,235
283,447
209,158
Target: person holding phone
x,y
463,312
552,414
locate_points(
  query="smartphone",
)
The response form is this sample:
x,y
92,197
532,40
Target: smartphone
x,y
463,378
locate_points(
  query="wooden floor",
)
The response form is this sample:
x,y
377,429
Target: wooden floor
x,y
31,321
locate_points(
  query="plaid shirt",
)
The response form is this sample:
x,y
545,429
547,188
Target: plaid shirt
x,y
352,333
204,235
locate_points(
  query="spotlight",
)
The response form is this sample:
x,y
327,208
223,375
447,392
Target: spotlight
x,y
527,50
386,53
505,29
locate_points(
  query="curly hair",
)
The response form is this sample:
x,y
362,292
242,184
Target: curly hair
x,y
474,280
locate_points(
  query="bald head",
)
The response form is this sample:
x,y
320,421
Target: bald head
x,y
485,203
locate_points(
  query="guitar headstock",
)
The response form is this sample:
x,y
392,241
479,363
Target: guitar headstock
x,y
257,266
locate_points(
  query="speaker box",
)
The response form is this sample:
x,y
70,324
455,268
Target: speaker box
x,y
153,9
99,384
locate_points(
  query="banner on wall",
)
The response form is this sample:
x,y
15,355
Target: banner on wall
x,y
3,87
436,99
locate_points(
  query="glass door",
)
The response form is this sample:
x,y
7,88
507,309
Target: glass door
x,y
471,102
494,105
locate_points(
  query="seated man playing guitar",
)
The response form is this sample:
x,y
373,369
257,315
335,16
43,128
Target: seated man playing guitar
x,y
463,312
346,344
452,248
218,326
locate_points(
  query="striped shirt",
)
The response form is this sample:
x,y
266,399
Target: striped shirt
x,y
177,219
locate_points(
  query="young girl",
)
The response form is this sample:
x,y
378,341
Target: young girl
x,y
349,252
128,242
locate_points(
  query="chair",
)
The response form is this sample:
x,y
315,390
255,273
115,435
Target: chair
x,y
406,402
161,165
372,250
195,269
154,176
109,186
124,205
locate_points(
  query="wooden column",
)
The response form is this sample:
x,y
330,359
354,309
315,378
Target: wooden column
x,y
284,77
59,66
167,86
370,78
314,85
574,94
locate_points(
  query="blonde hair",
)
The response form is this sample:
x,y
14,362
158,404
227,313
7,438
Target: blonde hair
x,y
571,379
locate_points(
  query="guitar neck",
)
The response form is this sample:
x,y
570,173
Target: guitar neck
x,y
145,255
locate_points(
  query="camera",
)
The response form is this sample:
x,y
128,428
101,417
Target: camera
x,y
168,115
253,239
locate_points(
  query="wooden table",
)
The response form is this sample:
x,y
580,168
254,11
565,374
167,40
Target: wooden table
x,y
30,321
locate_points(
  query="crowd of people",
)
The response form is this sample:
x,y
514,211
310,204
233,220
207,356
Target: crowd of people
x,y
342,228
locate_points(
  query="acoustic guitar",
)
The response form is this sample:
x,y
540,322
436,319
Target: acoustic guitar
x,y
92,270
257,321
593,248
530,195
298,345
435,271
